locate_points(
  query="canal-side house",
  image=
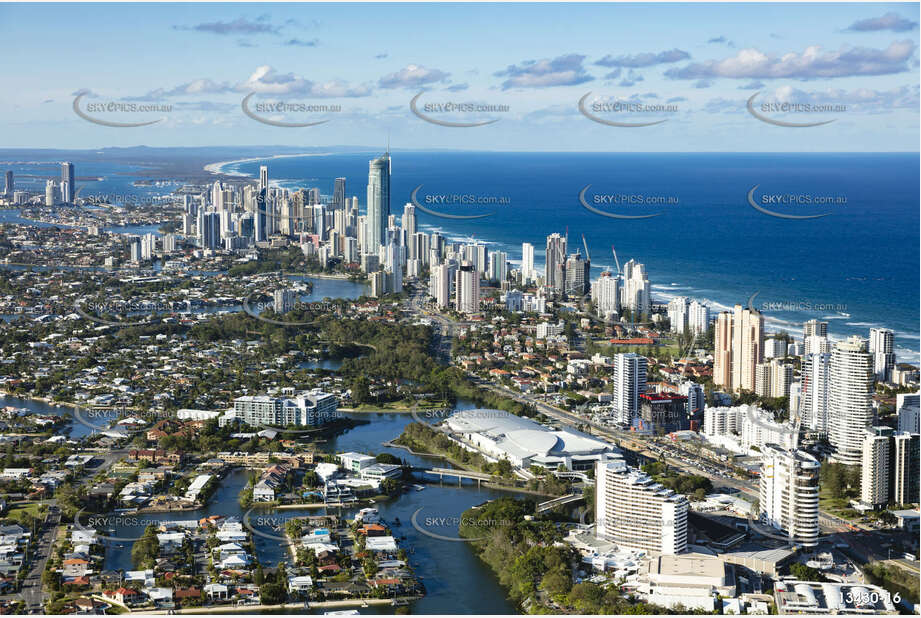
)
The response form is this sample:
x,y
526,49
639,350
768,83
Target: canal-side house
x,y
217,592
231,532
271,484
300,584
160,597
124,596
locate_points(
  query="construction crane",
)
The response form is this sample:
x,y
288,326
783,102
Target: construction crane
x,y
585,244
616,261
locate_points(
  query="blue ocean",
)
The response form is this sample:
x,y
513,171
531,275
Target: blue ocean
x,y
857,267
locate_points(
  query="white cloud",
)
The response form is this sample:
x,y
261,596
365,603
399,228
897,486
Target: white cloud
x,y
412,76
812,63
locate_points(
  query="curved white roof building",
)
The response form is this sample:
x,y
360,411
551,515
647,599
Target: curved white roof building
x,y
501,435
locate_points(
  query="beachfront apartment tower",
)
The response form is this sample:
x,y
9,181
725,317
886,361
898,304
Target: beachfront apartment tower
x,y
263,178
378,203
635,291
577,273
814,389
555,262
747,347
698,317
635,512
722,350
606,295
881,349
408,221
850,410
678,313
527,263
815,328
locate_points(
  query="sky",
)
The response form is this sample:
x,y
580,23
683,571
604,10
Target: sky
x,y
187,68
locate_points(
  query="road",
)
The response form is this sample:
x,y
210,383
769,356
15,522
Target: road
x,y
32,584
830,523
445,329
31,590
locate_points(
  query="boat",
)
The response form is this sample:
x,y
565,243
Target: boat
x,y
419,487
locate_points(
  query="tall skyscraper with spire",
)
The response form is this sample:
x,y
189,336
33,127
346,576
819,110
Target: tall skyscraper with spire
x,y
263,177
67,182
378,202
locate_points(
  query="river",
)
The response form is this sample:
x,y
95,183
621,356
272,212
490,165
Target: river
x,y
456,580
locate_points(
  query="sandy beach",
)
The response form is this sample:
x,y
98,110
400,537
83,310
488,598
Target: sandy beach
x,y
216,168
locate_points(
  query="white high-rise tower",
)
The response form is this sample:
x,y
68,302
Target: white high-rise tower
x,y
850,409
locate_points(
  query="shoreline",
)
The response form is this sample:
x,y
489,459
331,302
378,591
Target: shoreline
x,y
217,167
44,400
